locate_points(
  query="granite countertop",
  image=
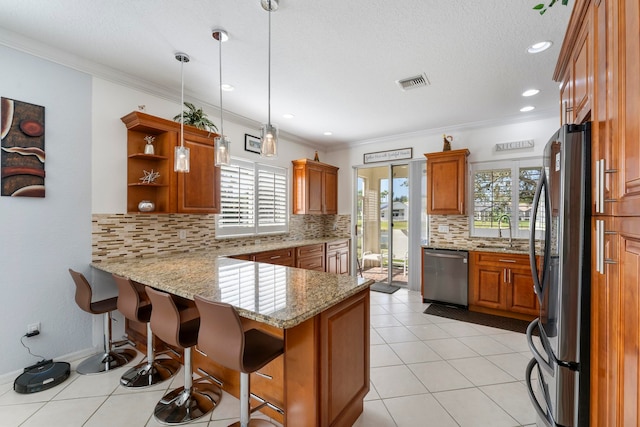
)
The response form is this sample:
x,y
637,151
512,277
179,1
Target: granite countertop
x,y
284,244
503,248
276,295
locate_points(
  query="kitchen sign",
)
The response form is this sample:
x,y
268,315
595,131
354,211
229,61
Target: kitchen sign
x,y
389,155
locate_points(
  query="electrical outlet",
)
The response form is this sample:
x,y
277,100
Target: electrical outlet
x,y
182,234
33,327
443,229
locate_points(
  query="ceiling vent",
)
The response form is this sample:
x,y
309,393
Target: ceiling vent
x,y
413,82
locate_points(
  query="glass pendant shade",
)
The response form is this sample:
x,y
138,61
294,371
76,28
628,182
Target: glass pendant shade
x,y
222,146
181,159
269,142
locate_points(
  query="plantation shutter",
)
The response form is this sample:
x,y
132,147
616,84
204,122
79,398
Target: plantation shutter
x,y
272,199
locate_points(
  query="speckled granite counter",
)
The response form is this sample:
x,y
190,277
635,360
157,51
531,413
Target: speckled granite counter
x,y
278,296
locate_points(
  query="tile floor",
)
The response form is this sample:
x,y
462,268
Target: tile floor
x,y
425,371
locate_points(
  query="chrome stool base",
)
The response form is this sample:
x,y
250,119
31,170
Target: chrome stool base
x,y
146,374
105,362
181,406
255,422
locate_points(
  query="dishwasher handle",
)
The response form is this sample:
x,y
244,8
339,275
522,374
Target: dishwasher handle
x,y
440,255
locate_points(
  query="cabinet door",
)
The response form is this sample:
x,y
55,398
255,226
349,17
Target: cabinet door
x,y
330,189
446,182
314,199
582,70
520,295
343,261
199,190
488,289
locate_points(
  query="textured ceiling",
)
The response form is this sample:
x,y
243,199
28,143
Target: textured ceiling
x,y
334,62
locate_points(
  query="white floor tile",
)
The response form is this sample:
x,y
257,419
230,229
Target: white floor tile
x,y
374,414
419,410
411,319
122,410
375,338
394,381
460,329
485,345
384,320
513,340
373,394
480,371
397,334
472,408
14,415
515,364
513,398
439,376
428,332
414,352
397,308
377,309
383,355
65,413
451,348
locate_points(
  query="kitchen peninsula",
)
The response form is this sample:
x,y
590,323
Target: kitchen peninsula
x,y
323,375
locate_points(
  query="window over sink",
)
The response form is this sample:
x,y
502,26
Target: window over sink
x,y
503,194
253,199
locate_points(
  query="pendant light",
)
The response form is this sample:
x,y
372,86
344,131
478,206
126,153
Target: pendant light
x,y
269,133
222,144
181,153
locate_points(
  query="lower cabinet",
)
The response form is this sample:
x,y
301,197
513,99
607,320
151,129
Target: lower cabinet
x,y
338,259
284,257
501,283
311,257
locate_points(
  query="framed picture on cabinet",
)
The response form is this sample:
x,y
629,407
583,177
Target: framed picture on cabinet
x,y
251,143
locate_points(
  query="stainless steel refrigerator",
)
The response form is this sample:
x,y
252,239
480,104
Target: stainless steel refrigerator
x,y
560,235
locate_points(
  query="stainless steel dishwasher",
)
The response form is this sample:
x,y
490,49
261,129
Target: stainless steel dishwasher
x,y
445,276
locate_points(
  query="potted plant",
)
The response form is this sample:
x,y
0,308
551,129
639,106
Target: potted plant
x,y
196,117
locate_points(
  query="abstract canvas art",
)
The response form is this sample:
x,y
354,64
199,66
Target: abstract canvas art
x,y
22,149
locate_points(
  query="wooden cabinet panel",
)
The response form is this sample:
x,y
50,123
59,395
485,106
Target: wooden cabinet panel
x,y
311,257
501,283
315,187
199,190
447,182
338,257
284,257
582,71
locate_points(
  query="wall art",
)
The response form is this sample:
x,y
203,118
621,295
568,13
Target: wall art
x,y
22,149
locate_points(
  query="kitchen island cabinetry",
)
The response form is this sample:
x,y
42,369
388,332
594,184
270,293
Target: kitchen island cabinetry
x,y
447,182
315,187
501,284
194,192
323,375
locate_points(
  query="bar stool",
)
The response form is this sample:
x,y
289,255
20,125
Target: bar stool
x,y
109,359
177,325
134,304
224,340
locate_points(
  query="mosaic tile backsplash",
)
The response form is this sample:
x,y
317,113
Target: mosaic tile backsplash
x,y
140,235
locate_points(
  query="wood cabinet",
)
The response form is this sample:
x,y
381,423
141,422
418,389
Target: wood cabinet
x,y
311,257
447,182
315,187
284,257
501,283
194,192
613,28
338,257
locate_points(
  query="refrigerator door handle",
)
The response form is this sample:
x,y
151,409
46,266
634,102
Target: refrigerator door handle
x,y
537,280
544,417
542,362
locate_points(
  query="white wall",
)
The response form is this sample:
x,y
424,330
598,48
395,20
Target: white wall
x,y
480,142
40,238
112,101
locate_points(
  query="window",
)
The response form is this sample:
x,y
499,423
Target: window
x,y
503,197
253,199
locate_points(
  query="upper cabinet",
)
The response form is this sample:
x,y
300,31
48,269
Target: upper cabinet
x,y
315,187
447,182
194,192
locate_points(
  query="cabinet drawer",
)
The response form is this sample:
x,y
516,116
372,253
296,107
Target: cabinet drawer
x,y
279,257
338,244
310,251
315,262
495,258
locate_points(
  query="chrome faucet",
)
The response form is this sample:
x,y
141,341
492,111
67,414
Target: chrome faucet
x,y
503,216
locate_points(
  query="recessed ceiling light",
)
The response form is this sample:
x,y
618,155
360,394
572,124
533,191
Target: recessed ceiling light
x,y
328,133
288,116
527,108
530,92
539,47
227,88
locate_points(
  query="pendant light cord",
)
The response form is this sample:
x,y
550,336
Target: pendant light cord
x,y
269,71
182,102
220,65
